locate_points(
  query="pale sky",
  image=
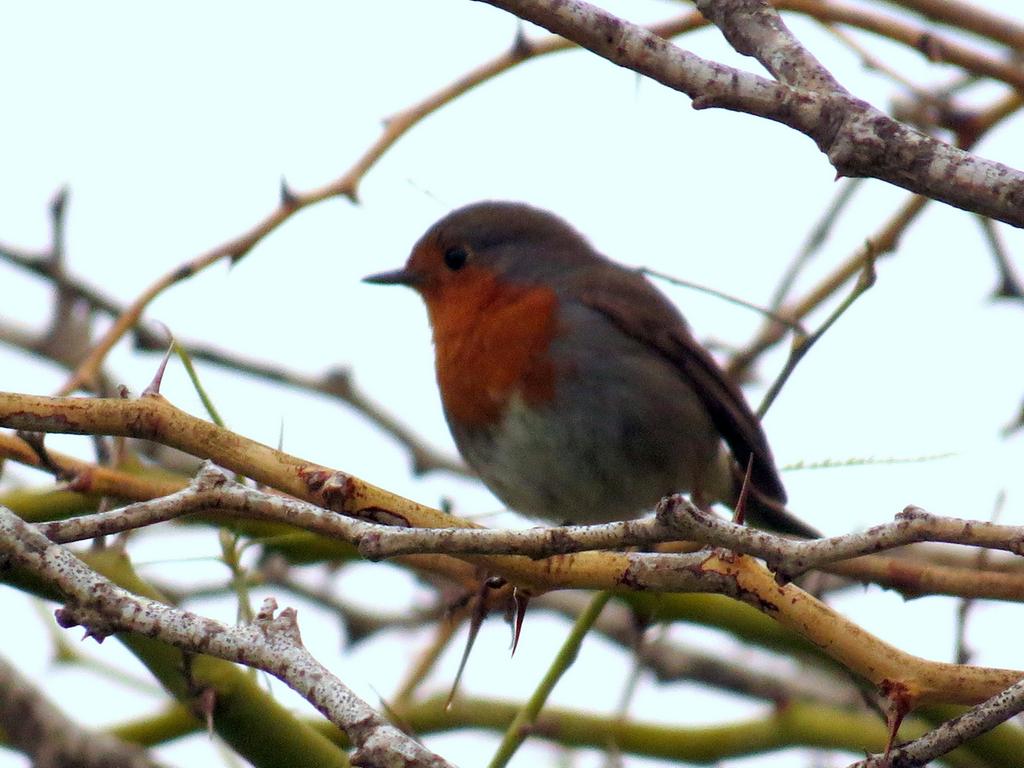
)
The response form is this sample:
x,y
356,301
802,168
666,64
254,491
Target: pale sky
x,y
174,128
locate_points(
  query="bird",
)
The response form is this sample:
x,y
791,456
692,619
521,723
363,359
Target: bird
x,y
571,385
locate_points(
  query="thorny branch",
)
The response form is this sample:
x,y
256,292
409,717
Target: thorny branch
x,y
271,643
67,339
788,561
951,734
213,492
858,139
653,571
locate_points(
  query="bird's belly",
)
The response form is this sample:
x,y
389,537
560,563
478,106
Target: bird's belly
x,y
568,463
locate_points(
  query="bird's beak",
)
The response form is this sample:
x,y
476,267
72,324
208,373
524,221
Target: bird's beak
x,y
402,276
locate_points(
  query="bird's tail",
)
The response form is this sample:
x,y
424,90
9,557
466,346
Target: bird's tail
x,y
772,515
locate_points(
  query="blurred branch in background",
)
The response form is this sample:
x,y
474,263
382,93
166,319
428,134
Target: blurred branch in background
x,y
829,682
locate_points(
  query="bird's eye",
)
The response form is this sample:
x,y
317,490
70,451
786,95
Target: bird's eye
x,y
455,257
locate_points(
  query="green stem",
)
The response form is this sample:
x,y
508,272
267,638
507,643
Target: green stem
x,y
517,731
211,409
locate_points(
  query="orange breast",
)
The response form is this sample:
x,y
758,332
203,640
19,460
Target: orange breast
x,y
491,341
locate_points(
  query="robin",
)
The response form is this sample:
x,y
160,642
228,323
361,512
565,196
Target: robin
x,y
571,385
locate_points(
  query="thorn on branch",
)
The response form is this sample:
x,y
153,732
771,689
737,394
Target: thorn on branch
x,y
288,197
95,626
898,703
58,205
520,602
204,706
739,513
153,388
480,609
521,46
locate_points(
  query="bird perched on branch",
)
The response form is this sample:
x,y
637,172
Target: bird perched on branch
x,y
571,385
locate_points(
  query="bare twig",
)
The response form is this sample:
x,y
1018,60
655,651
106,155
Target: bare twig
x,y
951,734
716,571
923,38
271,643
1010,284
346,185
212,492
858,139
66,338
815,239
34,725
756,29
767,312
961,15
802,343
879,243
336,383
790,558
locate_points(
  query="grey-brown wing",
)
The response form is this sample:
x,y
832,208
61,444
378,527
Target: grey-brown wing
x,y
635,307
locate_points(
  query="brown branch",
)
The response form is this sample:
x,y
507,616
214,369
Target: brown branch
x,y
67,335
32,724
345,185
56,345
736,576
858,139
913,578
970,17
756,29
212,493
271,643
883,241
338,384
935,46
957,558
86,477
951,734
790,557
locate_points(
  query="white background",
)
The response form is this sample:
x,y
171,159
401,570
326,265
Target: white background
x,y
173,129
